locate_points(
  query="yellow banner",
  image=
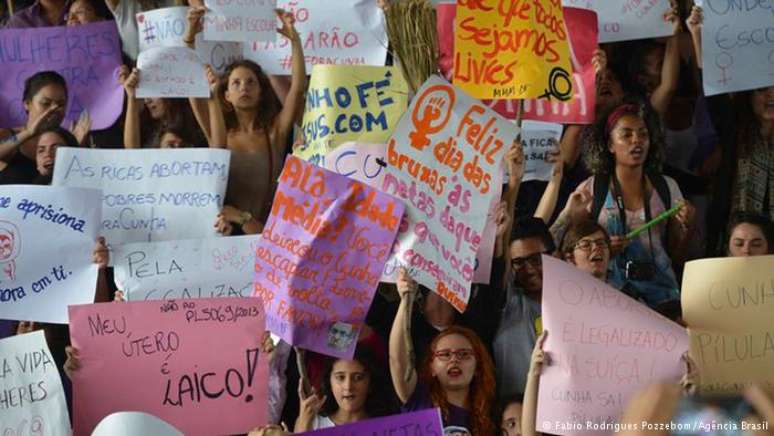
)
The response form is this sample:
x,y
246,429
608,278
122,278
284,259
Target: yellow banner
x,y
728,305
351,103
512,49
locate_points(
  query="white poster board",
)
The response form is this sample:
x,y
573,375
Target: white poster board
x,y
539,138
171,72
624,20
239,20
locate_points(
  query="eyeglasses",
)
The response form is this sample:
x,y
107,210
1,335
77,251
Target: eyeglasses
x,y
588,245
445,355
534,260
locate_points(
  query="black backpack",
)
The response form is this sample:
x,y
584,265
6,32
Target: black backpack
x,y
602,185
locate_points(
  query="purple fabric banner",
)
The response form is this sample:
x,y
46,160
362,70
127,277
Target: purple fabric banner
x,y
423,423
87,56
321,255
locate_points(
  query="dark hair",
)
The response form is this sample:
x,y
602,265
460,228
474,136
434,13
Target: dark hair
x,y
761,221
40,80
600,161
178,119
507,401
183,131
69,138
100,9
377,402
269,105
578,231
532,227
747,125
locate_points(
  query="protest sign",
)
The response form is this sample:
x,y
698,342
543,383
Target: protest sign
x,y
32,400
41,275
423,423
133,424
165,27
240,20
605,347
538,140
727,304
321,255
516,52
195,364
184,269
352,103
171,72
150,195
624,20
737,44
445,161
351,33
87,56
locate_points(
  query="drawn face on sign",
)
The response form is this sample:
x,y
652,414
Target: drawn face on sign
x,y
763,104
340,336
9,241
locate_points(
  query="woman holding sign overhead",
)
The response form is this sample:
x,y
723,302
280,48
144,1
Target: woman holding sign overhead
x,y
258,124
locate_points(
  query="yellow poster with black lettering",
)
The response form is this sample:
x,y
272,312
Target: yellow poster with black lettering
x,y
351,103
728,305
512,49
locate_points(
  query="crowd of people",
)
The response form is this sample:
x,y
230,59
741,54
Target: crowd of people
x,y
657,143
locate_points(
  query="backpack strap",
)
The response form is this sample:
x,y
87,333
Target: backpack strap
x,y
601,186
662,189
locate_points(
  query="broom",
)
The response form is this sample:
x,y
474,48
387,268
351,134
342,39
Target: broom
x,y
413,36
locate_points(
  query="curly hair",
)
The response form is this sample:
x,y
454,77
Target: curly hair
x,y
269,105
600,161
377,402
481,396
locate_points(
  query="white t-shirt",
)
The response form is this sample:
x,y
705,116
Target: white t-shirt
x,y
320,422
125,14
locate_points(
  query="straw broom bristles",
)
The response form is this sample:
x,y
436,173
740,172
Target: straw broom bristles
x,y
411,28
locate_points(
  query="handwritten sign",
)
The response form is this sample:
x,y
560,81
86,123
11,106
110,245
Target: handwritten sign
x,y
239,20
321,255
727,304
150,195
623,20
604,348
165,27
423,423
39,274
444,161
87,56
196,364
184,269
538,140
354,103
737,43
351,33
133,424
171,72
512,52
32,400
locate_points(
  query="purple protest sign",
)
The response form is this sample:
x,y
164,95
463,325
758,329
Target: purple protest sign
x,y
424,423
321,255
87,56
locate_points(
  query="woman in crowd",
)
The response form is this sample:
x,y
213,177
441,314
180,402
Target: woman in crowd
x,y
86,11
749,235
351,392
258,125
125,13
457,375
50,139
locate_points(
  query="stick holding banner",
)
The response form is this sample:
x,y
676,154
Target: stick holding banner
x,y
657,220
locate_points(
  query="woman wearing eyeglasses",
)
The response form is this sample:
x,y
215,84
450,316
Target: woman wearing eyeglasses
x,y
457,374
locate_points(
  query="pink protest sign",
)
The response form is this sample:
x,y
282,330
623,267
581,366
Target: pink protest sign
x,y
582,28
195,363
423,423
87,56
603,346
321,255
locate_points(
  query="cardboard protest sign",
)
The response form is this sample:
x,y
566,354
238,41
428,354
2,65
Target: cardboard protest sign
x,y
737,44
133,424
351,103
184,269
41,275
445,161
623,20
426,423
150,195
516,52
727,304
87,56
538,140
32,400
239,20
605,347
171,72
321,255
195,364
165,27
351,33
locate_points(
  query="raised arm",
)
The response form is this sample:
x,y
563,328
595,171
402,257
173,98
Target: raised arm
x,y
529,408
218,136
132,121
515,162
294,101
670,69
404,375
695,22
113,4
545,209
199,106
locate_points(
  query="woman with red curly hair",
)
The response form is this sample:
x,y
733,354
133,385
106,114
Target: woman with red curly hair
x,y
457,375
